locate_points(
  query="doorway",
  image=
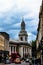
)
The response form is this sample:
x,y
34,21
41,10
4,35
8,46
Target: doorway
x,y
0,57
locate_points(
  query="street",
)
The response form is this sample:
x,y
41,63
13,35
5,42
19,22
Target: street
x,y
19,64
23,63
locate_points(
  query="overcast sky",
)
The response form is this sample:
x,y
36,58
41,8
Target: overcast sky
x,y
11,13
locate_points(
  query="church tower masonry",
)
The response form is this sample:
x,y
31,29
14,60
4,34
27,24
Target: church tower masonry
x,y
23,33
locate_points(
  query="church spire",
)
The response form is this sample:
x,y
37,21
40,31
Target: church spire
x,y
23,33
22,24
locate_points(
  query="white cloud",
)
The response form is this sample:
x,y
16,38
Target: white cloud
x,y
6,5
19,5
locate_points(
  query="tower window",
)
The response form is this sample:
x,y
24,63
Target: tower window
x,y
21,39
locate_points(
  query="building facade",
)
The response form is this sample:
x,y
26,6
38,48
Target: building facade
x,y
39,39
21,46
4,44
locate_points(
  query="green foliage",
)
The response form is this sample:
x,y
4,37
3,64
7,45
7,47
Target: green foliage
x,y
33,43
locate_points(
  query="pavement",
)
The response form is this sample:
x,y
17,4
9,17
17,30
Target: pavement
x,y
1,64
23,63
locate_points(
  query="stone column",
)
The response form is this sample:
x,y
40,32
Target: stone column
x,y
10,50
15,49
26,49
21,51
23,38
28,53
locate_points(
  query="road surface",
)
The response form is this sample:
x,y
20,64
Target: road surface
x,y
23,63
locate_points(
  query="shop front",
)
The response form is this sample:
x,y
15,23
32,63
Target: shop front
x,y
3,55
1,52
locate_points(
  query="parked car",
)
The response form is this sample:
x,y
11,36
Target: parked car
x,y
17,60
7,61
23,59
27,60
